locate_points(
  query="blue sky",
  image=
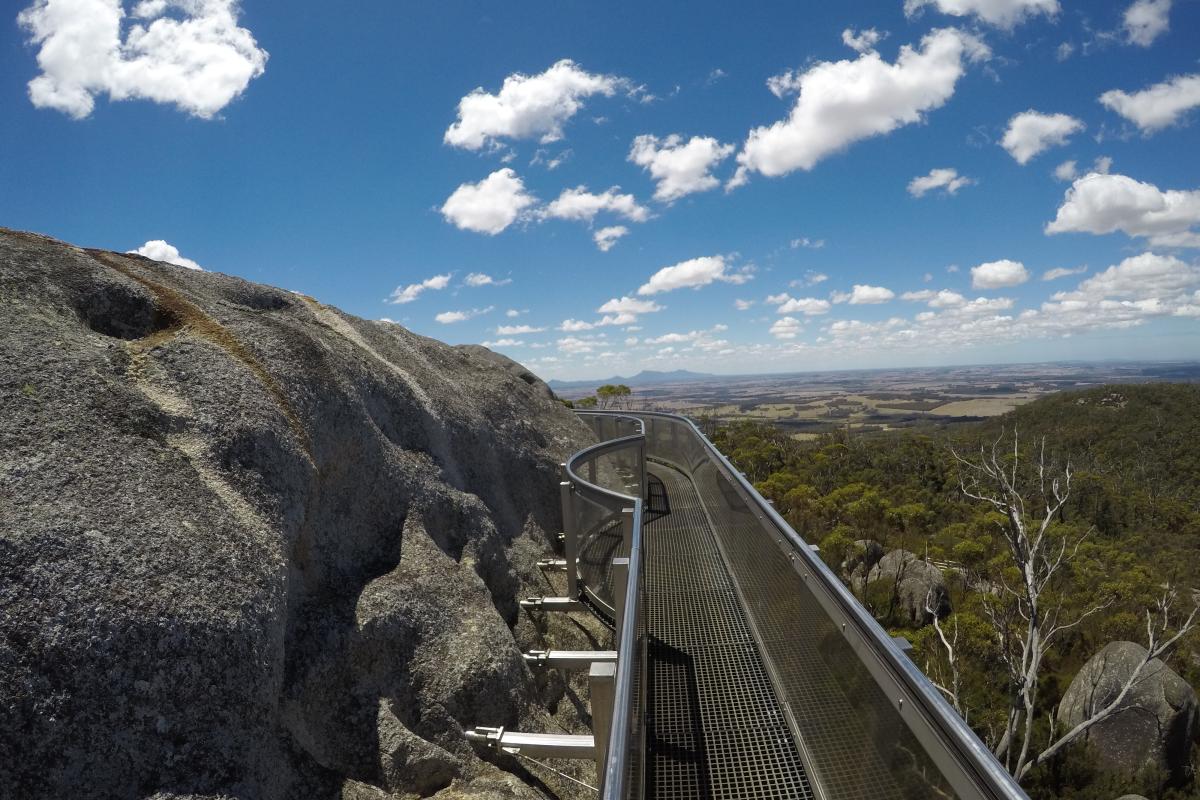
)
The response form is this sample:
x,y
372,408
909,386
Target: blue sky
x,y
354,155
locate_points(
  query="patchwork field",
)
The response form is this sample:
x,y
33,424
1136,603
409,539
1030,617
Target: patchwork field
x,y
878,401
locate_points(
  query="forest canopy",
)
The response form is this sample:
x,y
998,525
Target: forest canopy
x,y
1125,534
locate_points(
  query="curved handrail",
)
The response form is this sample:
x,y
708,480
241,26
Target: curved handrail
x,y
615,771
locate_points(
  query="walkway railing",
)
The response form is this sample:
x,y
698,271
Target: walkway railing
x,y
616,485
866,722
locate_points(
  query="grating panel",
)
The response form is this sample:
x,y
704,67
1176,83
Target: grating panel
x,y
714,726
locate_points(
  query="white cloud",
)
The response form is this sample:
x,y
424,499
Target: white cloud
x,y
1005,14
1158,106
477,279
811,278
629,305
448,317
409,293
845,101
946,179
574,325
952,268
921,296
1146,20
998,274
863,41
786,328
1064,51
189,53
693,273
1102,204
1066,171
1147,276
605,238
158,250
863,294
580,344
512,312
527,106
504,343
807,243
489,206
1061,272
743,305
517,330
679,168
1069,170
809,306
581,205
1031,132
947,299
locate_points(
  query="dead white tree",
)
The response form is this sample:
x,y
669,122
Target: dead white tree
x,y
1028,617
952,688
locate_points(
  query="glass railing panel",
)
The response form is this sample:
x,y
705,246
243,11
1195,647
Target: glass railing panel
x,y
829,662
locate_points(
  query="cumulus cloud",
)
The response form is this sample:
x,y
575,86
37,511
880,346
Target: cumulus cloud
x,y
1146,20
489,206
1103,204
528,106
693,273
575,325
921,296
1147,276
449,317
629,305
517,330
680,168
1158,106
606,237
581,205
743,305
1061,272
477,279
158,250
188,53
412,291
1069,170
998,274
1005,14
786,328
845,101
863,294
946,179
1031,132
862,41
504,343
512,312
808,306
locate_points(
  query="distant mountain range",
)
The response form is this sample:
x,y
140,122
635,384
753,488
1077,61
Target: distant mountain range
x,y
647,377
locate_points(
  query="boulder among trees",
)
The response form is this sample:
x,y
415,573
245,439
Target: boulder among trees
x,y
1152,727
904,588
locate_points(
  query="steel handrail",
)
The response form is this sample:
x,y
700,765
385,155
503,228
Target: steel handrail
x,y
616,764
956,737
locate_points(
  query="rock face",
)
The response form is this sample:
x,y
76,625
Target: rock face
x,y
908,583
1156,723
252,546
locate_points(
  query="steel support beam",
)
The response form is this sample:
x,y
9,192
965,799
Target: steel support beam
x,y
569,659
552,603
535,745
602,682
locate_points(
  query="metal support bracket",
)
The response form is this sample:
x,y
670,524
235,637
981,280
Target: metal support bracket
x,y
552,603
602,683
543,745
569,659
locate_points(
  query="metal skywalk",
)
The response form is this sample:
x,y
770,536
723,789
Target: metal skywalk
x,y
741,667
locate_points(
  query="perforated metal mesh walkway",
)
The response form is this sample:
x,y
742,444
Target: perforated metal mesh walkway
x,y
715,728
